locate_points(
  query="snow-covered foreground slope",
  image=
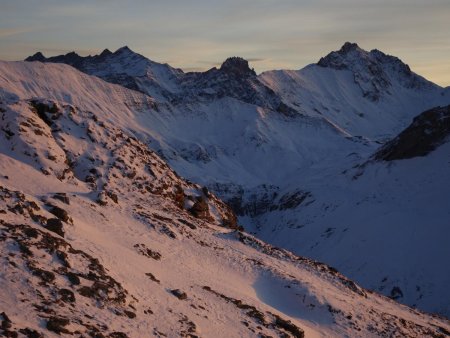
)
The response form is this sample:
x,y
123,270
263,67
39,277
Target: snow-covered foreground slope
x,y
99,237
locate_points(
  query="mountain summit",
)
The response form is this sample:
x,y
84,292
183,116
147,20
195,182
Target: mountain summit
x,y
341,58
375,72
36,57
74,59
238,66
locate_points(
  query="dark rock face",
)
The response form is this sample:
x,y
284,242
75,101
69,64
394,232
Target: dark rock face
x,y
129,314
44,275
292,200
336,59
179,294
200,209
349,46
105,53
57,325
31,333
36,57
55,225
6,322
62,197
263,199
71,58
143,250
47,111
73,278
179,196
396,293
66,295
288,326
152,277
237,66
427,132
113,196
60,213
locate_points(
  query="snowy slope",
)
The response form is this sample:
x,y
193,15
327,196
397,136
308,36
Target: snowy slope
x,y
124,67
384,222
385,225
281,168
99,237
275,146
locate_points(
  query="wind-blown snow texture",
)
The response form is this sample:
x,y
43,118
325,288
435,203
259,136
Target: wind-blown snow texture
x,y
292,153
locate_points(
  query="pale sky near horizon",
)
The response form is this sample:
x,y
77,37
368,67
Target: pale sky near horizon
x,y
199,34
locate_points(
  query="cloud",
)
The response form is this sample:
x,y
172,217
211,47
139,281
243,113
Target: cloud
x,y
256,59
193,69
59,51
200,34
7,32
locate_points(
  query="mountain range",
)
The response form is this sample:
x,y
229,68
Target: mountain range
x,y
344,162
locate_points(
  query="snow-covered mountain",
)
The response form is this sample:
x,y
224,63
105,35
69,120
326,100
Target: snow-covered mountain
x,y
166,84
292,153
367,94
100,238
124,67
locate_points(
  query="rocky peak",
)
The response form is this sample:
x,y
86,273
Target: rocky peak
x,y
394,61
237,66
351,56
72,54
71,58
349,47
105,53
124,50
341,59
374,72
36,57
127,55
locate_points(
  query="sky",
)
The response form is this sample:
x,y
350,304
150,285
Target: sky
x,y
200,34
